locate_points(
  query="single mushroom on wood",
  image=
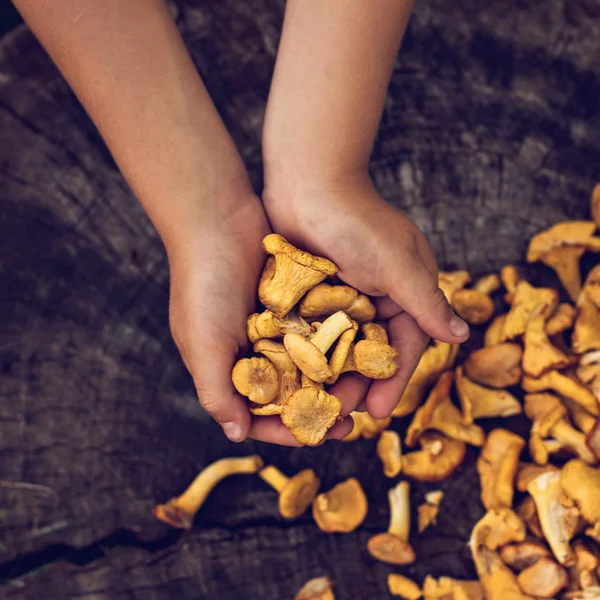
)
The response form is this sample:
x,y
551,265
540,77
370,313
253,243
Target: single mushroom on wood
x,y
428,511
288,274
496,366
404,587
559,517
256,378
180,512
549,418
295,493
522,555
392,546
287,371
544,579
440,414
342,509
539,355
560,247
497,466
318,588
437,460
389,450
480,402
435,360
525,299
373,356
309,413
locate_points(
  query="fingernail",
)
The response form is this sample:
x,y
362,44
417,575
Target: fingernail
x,y
458,327
232,430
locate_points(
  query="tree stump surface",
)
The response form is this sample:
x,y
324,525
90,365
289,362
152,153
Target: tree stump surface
x,y
491,132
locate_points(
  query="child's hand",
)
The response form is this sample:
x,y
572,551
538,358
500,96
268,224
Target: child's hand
x,y
380,252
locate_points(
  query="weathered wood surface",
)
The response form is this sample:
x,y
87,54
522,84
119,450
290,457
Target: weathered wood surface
x,y
491,132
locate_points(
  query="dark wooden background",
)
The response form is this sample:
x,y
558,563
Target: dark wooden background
x,y
491,132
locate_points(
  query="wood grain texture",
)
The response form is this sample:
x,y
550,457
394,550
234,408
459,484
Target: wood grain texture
x,y
491,132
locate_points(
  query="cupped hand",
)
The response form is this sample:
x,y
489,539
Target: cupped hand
x,y
213,289
381,253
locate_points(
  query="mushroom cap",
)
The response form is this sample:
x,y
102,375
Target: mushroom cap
x,y
171,514
404,587
545,578
586,335
375,333
307,357
451,281
389,451
562,319
375,360
434,361
438,459
567,233
510,278
362,309
525,299
497,466
496,366
528,472
540,355
389,548
473,306
309,413
325,299
524,554
263,325
256,378
277,244
316,589
480,402
493,334
342,509
581,483
298,493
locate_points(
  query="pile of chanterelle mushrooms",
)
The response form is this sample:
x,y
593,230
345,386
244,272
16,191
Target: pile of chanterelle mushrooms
x,y
540,537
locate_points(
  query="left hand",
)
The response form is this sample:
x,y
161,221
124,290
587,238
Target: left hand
x,y
381,253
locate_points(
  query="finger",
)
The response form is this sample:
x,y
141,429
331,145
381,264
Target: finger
x,y
386,308
341,429
218,397
272,431
415,289
410,341
351,389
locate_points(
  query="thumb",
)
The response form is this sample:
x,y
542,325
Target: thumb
x,y
218,397
415,289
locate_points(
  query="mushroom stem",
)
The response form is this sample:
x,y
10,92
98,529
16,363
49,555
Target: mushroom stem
x,y
330,330
180,511
399,499
274,477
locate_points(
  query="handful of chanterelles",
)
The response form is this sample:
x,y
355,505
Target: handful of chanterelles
x,y
540,536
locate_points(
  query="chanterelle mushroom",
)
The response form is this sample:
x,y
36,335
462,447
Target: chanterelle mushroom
x,y
404,587
256,378
586,334
496,529
389,451
581,483
446,588
440,414
559,518
180,511
392,546
522,555
525,299
289,274
549,418
316,589
562,319
373,356
428,511
309,413
584,574
438,459
494,332
544,579
267,325
497,466
339,356
309,355
560,248
366,426
479,402
288,376
342,509
473,306
528,472
295,493
324,300
435,360
450,282
540,355
563,386
510,278
496,366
